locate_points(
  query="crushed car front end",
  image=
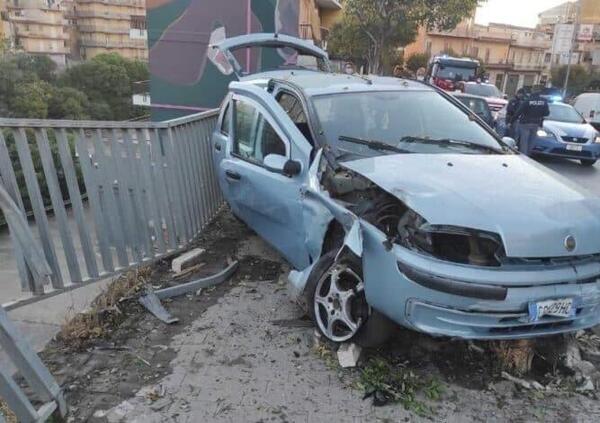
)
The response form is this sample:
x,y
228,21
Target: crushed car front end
x,y
466,301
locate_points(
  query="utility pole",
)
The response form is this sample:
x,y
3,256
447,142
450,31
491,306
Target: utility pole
x,y
573,41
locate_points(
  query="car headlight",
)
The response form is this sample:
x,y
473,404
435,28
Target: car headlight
x,y
543,134
450,243
597,139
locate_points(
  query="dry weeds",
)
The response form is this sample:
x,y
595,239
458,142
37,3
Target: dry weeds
x,y
9,416
104,313
515,356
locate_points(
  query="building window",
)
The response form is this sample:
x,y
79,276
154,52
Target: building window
x,y
475,51
500,81
138,22
487,55
428,47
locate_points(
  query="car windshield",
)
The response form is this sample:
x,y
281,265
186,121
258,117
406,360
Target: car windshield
x,y
410,122
477,105
564,113
455,73
483,90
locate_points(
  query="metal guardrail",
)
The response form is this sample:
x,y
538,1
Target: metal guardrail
x,y
150,187
35,374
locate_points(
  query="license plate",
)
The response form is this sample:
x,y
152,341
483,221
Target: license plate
x,y
558,308
572,147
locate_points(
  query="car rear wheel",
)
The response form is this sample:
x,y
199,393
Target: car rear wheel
x,y
335,295
588,162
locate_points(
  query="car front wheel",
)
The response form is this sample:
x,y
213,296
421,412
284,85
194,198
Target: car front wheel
x,y
337,303
588,162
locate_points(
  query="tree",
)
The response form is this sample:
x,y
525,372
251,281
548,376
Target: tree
x,y
416,61
37,67
31,100
389,24
579,79
68,103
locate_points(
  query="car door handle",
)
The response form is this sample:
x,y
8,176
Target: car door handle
x,y
233,175
217,146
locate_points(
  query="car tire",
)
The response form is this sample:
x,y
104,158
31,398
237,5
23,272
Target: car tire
x,y
588,162
372,328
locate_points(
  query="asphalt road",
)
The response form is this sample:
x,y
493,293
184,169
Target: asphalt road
x,y
588,177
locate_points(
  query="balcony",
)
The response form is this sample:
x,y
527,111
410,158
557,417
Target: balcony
x,y
104,29
138,44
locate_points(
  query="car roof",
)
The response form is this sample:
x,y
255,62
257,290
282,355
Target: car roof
x,y
464,95
314,83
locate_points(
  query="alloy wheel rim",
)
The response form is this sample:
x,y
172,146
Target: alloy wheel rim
x,y
339,303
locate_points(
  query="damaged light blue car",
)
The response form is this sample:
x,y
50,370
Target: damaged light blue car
x,y
392,201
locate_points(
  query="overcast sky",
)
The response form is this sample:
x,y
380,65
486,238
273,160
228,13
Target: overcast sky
x,y
514,12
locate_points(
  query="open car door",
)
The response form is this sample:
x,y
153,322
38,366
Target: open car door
x,y
291,52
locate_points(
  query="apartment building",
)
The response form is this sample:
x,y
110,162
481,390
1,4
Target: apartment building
x,y
513,56
316,18
106,26
37,27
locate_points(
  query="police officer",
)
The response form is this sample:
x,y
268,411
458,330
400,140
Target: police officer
x,y
530,115
511,109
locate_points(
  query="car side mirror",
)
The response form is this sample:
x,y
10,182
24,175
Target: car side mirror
x,y
510,142
281,164
292,168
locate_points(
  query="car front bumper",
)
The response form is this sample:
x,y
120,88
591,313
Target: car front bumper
x,y
549,147
474,302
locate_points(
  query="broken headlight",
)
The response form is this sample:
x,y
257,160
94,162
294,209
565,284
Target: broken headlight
x,y
450,243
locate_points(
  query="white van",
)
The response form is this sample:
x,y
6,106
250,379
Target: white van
x,y
588,104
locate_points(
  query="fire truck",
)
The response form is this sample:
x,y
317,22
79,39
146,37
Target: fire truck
x,y
446,72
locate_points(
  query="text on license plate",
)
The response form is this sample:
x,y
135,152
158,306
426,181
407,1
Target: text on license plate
x,y
559,308
572,147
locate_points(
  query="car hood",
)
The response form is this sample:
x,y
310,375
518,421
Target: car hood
x,y
532,208
579,130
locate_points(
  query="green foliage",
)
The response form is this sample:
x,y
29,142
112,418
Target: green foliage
x,y
392,382
416,61
579,79
99,89
68,103
374,29
31,100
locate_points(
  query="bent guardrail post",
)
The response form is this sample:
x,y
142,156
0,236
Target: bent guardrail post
x,y
17,224
35,373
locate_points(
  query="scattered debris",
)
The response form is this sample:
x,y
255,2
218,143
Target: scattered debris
x,y
152,303
586,386
188,271
348,354
523,383
193,286
186,260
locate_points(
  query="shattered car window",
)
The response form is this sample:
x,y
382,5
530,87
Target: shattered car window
x,y
399,119
255,138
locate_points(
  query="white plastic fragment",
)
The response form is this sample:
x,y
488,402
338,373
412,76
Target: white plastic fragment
x,y
185,260
348,354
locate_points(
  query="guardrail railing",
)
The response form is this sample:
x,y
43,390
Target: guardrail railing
x,y
137,191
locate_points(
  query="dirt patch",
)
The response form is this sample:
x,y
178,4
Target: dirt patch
x,y
106,355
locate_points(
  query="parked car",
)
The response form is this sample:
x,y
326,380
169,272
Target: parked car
x,y
391,202
477,105
490,92
588,104
566,134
